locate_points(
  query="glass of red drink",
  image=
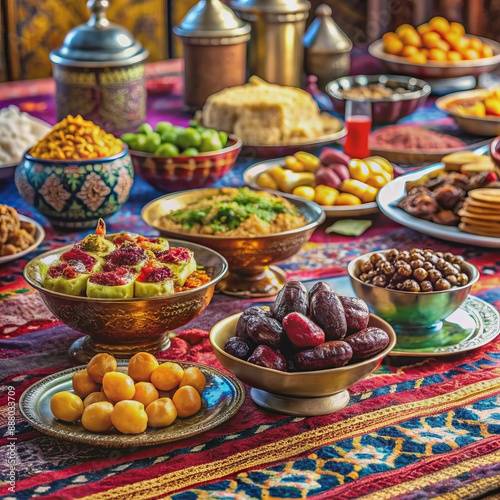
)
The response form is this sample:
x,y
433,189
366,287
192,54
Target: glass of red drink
x,y
358,120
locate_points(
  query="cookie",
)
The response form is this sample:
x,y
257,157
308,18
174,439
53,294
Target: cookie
x,y
488,207
483,217
471,169
482,231
495,224
486,195
454,161
479,210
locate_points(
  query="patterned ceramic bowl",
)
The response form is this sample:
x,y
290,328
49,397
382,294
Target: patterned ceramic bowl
x,y
74,194
186,172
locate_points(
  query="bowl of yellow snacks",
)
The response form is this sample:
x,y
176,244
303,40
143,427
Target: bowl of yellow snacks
x,y
76,174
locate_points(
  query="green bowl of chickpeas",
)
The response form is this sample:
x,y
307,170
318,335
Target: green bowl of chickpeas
x,y
414,290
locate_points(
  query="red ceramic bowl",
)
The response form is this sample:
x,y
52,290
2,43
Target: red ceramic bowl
x,y
186,172
388,110
495,150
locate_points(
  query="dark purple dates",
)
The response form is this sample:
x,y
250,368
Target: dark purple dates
x,y
239,347
367,343
292,297
264,330
328,355
264,355
241,326
301,331
356,312
320,286
327,312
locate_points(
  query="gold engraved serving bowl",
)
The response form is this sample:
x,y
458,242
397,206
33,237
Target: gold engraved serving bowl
x,y
123,327
250,259
305,393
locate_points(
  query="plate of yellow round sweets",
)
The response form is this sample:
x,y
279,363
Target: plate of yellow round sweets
x,y
109,403
19,234
271,119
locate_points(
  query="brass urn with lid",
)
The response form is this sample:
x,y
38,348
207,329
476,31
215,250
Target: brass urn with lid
x,y
99,73
275,51
215,47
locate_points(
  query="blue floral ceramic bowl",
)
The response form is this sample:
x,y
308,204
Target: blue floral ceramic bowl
x,y
74,194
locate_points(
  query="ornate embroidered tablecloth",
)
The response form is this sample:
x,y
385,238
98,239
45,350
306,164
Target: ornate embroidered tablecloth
x,y
417,428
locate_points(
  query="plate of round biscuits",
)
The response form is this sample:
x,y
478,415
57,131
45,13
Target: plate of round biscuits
x,y
479,222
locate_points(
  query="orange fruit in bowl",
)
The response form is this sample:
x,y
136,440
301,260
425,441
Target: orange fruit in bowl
x,y
408,50
424,28
431,40
454,56
443,45
457,28
439,24
437,55
470,54
417,58
457,42
145,393
392,43
129,417
410,36
486,51
474,43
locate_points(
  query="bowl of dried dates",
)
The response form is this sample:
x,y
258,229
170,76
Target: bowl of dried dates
x,y
302,354
414,290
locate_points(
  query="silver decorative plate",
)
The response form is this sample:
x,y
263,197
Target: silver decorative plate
x,y
472,325
221,399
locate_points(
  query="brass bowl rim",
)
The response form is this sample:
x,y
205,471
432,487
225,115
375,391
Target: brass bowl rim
x,y
238,143
160,298
423,91
320,218
83,161
443,103
333,371
351,267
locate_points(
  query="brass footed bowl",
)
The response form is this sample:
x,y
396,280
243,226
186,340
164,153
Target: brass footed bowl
x,y
123,327
411,312
297,393
250,259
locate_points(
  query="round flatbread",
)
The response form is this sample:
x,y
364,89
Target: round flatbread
x,y
481,204
471,169
480,223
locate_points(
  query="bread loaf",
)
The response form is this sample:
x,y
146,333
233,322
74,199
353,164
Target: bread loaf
x,y
266,114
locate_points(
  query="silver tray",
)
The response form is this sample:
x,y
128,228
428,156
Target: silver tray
x,y
221,399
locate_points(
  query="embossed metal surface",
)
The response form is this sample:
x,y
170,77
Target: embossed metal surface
x,y
129,321
221,399
241,253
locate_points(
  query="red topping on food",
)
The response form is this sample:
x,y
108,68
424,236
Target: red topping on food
x,y
128,254
68,270
151,274
175,255
117,277
74,256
